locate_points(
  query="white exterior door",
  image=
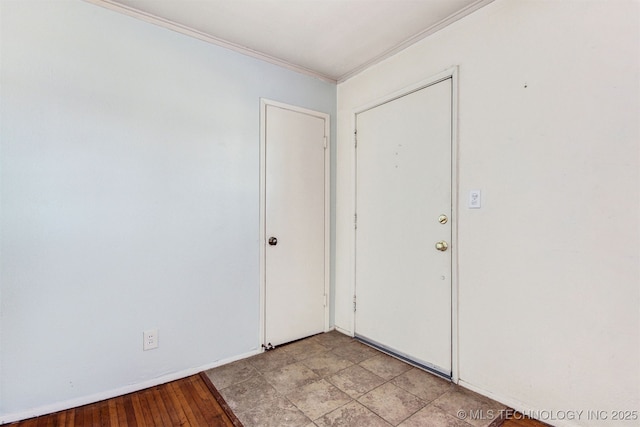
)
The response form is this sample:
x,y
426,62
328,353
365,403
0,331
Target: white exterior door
x,y
404,206
295,239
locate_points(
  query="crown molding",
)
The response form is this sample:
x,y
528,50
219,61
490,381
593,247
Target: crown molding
x,y
188,31
416,38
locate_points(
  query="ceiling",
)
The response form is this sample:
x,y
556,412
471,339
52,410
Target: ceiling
x,y
330,39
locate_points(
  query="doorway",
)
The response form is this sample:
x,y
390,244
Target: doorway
x,y
294,223
405,225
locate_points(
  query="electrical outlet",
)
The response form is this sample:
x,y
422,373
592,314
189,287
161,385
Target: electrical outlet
x,y
150,339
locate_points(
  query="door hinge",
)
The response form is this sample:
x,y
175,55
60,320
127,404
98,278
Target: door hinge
x,y
355,221
325,300
325,142
354,303
355,138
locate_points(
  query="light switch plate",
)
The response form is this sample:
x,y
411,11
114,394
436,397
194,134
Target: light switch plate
x,y
475,199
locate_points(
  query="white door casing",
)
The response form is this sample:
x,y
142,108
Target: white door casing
x,y
294,210
404,183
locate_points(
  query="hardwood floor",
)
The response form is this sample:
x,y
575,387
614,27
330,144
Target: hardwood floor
x,y
192,401
523,422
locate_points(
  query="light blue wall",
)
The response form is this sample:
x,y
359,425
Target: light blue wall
x,y
129,199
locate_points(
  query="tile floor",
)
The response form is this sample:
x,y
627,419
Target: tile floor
x,y
333,380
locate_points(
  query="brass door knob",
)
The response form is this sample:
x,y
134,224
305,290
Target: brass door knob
x,y
442,246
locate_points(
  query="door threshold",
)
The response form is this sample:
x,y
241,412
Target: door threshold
x,y
420,365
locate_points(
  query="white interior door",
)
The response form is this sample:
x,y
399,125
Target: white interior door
x,y
403,283
295,231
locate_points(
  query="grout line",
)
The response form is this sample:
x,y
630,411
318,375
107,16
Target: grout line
x,y
330,349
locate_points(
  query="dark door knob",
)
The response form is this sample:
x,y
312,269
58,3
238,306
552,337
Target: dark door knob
x,y
273,241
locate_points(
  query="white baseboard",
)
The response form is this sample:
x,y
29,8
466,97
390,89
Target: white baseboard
x,y
517,405
343,331
97,397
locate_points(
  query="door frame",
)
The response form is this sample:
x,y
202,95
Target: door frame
x,y
450,73
264,103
